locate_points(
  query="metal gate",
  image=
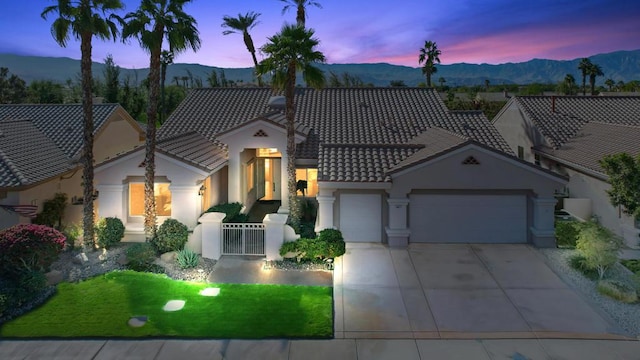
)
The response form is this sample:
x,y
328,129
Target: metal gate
x,y
242,239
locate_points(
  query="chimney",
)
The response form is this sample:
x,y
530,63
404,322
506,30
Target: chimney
x,y
553,104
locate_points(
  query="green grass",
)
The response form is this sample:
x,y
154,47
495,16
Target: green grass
x,y
102,306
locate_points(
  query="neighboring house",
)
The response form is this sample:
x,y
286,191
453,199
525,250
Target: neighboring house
x,y
569,135
41,149
389,165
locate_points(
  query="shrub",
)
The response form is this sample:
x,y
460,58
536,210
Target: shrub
x,y
579,263
187,259
287,247
72,232
567,233
329,244
21,288
30,247
617,291
632,264
109,232
232,211
599,246
171,236
335,241
140,256
52,211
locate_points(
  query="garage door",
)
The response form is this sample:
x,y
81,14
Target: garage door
x,y
361,217
468,218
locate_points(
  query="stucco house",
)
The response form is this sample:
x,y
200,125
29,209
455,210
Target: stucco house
x,y
41,148
569,135
389,165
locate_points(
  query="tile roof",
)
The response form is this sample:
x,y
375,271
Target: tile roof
x,y
573,112
194,149
62,123
595,140
27,156
359,122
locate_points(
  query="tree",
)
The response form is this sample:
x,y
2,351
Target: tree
x,y
594,70
166,58
45,92
291,50
624,176
13,90
610,84
585,68
442,81
301,9
83,19
429,55
152,23
599,246
242,24
112,80
568,85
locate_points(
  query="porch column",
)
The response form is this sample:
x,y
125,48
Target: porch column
x,y
273,235
185,204
284,181
542,231
111,201
212,234
397,231
235,174
325,212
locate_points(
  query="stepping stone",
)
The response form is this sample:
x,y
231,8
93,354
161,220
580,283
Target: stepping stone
x,y
210,292
137,321
174,305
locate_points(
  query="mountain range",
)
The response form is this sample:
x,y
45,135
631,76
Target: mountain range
x,y
619,66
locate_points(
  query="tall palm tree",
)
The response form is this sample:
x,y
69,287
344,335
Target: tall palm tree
x,y
83,19
166,59
152,23
584,67
242,24
610,84
429,55
594,70
291,50
301,9
569,84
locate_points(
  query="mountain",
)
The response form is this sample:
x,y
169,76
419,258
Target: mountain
x,y
619,66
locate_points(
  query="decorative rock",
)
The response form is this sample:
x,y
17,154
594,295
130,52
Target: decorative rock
x,y
169,256
137,321
80,259
122,260
54,277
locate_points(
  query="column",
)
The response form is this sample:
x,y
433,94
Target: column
x,y
325,212
543,232
397,231
212,234
273,235
235,174
185,204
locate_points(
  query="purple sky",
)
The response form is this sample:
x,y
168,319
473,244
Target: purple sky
x,y
359,31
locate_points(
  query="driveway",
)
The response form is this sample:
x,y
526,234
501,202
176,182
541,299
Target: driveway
x,y
458,291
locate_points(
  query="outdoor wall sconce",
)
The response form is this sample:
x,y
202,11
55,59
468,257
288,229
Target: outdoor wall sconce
x,y
201,190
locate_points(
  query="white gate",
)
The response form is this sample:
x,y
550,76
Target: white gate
x,y
242,239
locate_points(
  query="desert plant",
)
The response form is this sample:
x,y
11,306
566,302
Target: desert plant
x,y
579,263
567,233
73,233
335,242
599,246
187,259
617,290
232,211
109,232
52,211
30,247
171,236
140,256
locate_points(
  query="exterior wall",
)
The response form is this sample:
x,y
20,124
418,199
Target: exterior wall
x,y
217,188
518,131
584,186
116,137
7,218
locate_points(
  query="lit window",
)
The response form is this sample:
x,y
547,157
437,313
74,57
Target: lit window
x,y
136,199
311,177
268,152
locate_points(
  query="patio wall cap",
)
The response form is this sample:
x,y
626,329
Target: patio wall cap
x,y
212,217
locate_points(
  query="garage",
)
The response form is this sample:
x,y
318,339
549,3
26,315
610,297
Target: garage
x,y
468,218
361,217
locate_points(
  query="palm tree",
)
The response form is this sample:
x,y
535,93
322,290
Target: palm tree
x,y
301,9
442,81
584,66
242,24
83,20
152,23
291,50
166,59
569,84
429,55
610,84
594,70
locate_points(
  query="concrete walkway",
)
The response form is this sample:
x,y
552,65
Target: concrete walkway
x,y
251,270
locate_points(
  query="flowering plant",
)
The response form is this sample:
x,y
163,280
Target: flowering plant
x,y
29,247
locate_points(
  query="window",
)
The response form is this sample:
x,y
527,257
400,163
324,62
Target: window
x,y
136,199
311,177
520,152
537,159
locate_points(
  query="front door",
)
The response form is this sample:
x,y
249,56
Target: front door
x,y
271,174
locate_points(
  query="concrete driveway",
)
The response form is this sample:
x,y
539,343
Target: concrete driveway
x,y
430,291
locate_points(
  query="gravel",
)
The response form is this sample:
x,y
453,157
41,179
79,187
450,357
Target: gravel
x,y
627,316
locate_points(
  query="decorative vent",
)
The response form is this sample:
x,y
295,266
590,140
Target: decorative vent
x,y
260,133
471,161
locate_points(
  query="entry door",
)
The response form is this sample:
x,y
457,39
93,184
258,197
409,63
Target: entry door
x,y
269,170
260,178
276,184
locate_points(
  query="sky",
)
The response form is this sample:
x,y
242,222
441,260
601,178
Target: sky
x,y
369,31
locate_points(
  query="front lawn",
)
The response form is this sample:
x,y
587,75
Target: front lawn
x,y
103,306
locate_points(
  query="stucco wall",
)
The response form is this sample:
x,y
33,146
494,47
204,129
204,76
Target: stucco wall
x,y
518,131
117,137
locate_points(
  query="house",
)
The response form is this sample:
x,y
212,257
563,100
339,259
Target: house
x,y
390,165
569,135
41,149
